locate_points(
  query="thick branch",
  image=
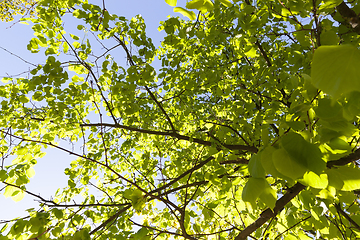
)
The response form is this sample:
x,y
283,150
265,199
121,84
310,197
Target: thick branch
x,y
350,16
290,194
345,160
268,213
235,161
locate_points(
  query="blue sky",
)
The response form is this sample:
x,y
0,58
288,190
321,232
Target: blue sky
x,y
15,37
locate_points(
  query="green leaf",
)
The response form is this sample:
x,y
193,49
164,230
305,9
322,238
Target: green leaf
x,y
296,125
352,106
339,144
3,175
268,196
253,189
330,4
329,38
226,3
195,4
304,153
190,14
268,163
287,165
23,99
329,110
71,183
10,191
335,69
58,213
19,196
255,167
18,227
201,5
345,178
141,233
171,2
314,180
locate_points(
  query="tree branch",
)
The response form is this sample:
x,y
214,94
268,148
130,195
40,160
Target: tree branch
x,y
338,208
110,219
161,108
175,135
290,194
184,186
268,213
183,175
350,16
345,160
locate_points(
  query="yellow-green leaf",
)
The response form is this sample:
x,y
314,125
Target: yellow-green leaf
x,y
190,14
253,188
268,196
19,196
286,165
30,172
201,5
345,178
313,180
226,3
171,2
335,69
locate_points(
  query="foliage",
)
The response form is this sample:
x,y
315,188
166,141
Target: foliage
x,y
10,8
244,122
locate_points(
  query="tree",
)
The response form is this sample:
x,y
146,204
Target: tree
x,y
243,124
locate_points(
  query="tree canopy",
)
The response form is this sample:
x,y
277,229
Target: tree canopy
x,y
242,124
10,8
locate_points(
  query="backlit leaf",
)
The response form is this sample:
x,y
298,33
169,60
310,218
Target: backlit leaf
x,y
313,180
335,69
195,4
255,167
226,3
253,188
268,163
19,196
11,191
190,14
171,2
344,178
201,5
304,153
269,197
287,165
